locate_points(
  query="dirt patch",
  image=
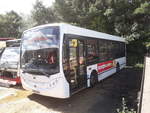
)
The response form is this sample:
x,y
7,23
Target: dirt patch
x,y
19,94
25,106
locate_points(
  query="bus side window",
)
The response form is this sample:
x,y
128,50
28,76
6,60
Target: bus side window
x,y
92,51
114,49
110,51
103,50
122,49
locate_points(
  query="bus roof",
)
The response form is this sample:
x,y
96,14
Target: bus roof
x,y
70,29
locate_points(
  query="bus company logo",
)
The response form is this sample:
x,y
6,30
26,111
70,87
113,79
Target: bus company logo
x,y
104,66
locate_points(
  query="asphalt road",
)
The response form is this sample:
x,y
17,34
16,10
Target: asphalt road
x,y
105,97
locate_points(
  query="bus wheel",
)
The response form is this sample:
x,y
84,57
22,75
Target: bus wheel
x,y
117,67
93,79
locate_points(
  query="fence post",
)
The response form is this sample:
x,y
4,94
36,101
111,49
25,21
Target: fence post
x,y
144,104
141,89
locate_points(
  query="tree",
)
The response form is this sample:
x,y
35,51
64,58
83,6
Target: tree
x,y
126,18
27,22
10,24
42,14
85,13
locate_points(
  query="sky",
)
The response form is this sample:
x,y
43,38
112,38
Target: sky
x,y
20,6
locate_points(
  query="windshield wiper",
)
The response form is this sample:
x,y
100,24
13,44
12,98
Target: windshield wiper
x,y
45,73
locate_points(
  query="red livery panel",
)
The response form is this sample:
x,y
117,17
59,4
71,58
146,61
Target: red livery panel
x,y
17,80
104,66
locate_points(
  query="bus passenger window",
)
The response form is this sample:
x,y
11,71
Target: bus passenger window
x,y
92,51
103,50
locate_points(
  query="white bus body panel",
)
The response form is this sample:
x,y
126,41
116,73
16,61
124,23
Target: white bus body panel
x,y
54,86
107,73
122,62
70,29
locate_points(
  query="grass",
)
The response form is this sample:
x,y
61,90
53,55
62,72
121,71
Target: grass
x,y
124,108
139,65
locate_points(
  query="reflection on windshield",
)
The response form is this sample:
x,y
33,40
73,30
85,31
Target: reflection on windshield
x,y
10,57
42,38
42,60
39,53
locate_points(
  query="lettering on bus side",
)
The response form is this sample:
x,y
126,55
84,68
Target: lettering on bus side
x,y
104,66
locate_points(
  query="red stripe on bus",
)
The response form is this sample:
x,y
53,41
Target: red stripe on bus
x,y
104,66
17,80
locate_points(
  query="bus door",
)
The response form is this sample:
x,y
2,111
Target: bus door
x,y
77,64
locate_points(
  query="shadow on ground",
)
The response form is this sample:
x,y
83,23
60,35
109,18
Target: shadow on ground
x,y
105,97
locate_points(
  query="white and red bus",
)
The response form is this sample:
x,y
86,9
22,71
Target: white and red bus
x,y
9,61
58,60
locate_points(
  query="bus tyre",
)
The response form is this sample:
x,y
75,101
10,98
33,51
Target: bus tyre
x,y
93,79
117,67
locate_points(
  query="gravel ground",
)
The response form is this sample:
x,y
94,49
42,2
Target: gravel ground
x,y
5,92
105,97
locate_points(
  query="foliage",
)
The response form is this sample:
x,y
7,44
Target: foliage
x,y
124,108
126,18
10,24
27,22
138,65
43,15
85,13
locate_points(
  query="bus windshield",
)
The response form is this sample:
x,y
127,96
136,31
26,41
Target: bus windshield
x,y
10,58
40,51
